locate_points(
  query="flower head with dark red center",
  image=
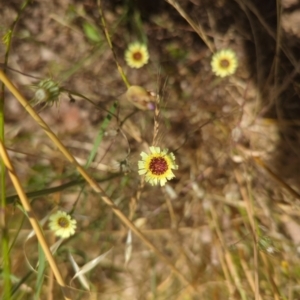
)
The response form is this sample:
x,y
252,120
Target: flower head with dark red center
x,y
62,224
136,55
224,62
157,166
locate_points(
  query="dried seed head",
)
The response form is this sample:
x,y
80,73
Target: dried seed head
x,y
47,92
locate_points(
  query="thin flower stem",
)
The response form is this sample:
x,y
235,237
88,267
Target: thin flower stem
x,y
111,45
31,216
94,185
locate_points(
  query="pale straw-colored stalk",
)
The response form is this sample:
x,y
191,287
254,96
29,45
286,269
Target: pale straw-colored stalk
x,y
32,218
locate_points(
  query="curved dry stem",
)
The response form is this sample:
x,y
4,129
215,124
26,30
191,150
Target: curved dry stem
x,y
31,216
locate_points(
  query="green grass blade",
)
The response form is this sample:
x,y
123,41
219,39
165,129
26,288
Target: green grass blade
x,y
11,199
40,274
99,137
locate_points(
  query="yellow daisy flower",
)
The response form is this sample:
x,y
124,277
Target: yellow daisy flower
x,y
136,55
157,166
62,224
224,62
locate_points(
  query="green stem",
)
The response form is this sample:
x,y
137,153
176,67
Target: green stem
x,y
3,226
107,36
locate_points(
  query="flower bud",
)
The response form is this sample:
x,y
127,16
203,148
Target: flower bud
x,y
140,97
47,92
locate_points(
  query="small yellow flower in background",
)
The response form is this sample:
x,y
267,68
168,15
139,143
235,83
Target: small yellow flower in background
x,y
224,62
136,55
157,166
7,37
62,224
285,267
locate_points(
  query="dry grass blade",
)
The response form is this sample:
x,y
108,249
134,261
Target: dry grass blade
x,y
198,29
250,214
81,277
228,259
91,264
277,178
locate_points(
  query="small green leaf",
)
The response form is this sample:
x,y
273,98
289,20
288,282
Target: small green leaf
x,y
91,32
7,37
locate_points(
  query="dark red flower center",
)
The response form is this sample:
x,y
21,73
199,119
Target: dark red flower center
x,y
137,55
63,222
158,166
224,63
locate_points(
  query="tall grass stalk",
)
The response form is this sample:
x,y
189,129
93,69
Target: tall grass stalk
x,y
31,216
3,226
